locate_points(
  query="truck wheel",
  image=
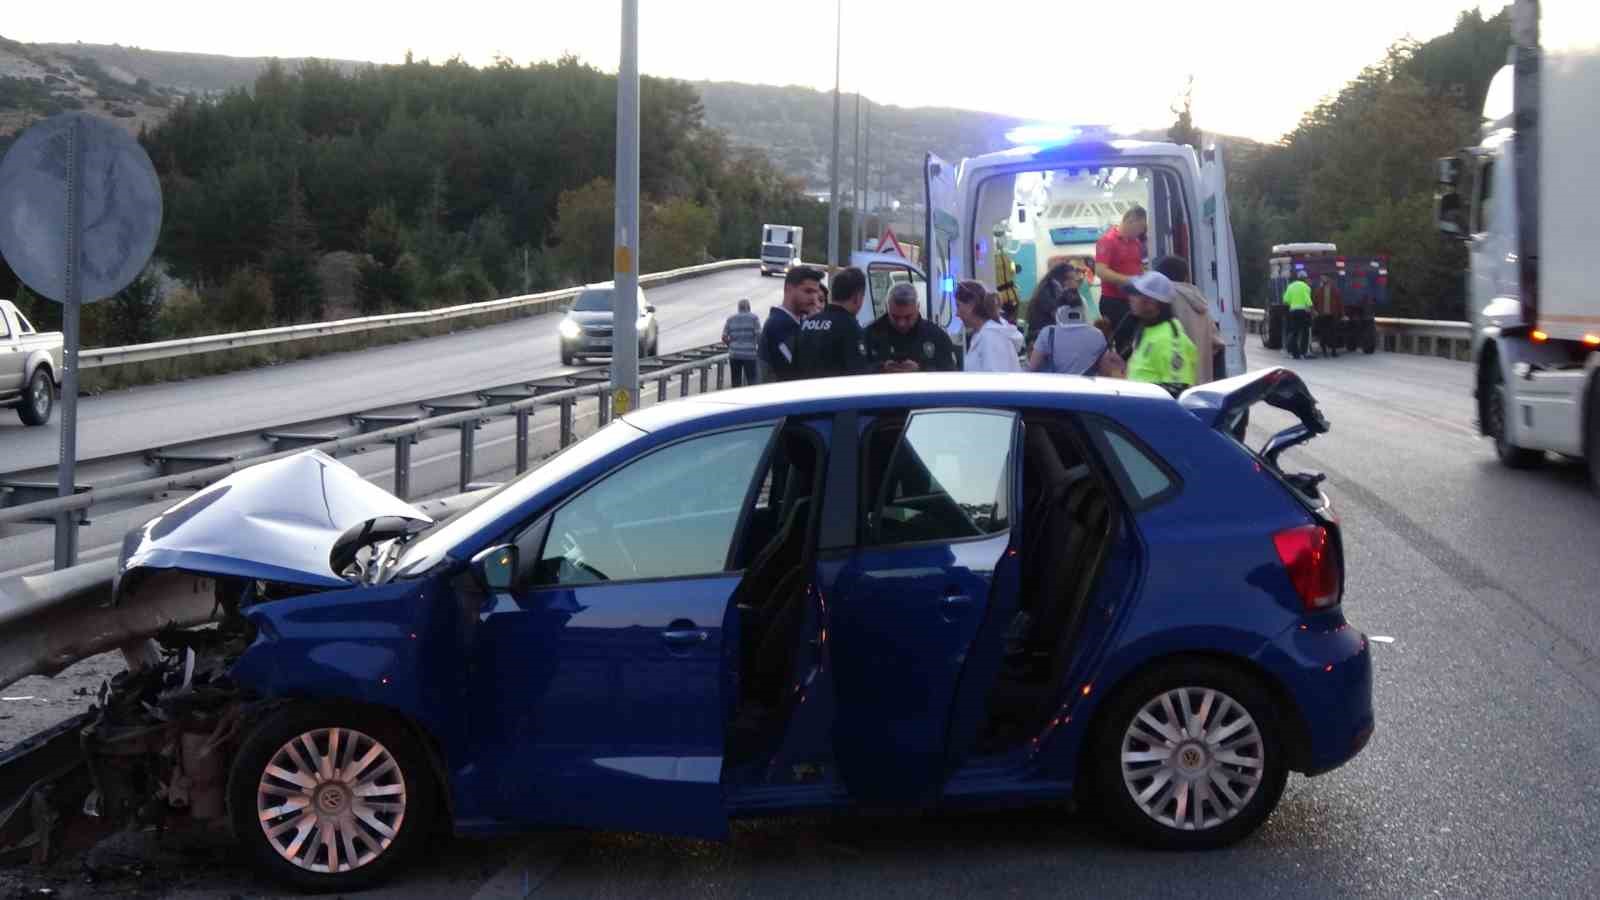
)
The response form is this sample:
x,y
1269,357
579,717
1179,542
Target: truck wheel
x,y
1369,339
331,798
38,400
1497,413
1591,417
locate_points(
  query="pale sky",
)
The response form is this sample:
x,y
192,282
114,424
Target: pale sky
x,y
1258,64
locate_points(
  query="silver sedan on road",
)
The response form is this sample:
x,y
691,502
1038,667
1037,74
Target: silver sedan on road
x,y
586,330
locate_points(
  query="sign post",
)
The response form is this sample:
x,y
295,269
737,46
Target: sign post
x,y
80,212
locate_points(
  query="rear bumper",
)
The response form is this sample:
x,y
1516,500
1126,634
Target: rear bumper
x,y
1325,666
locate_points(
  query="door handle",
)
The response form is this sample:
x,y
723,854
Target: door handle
x,y
955,604
685,637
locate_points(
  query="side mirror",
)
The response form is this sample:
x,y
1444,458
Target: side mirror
x,y
1449,169
1450,215
496,568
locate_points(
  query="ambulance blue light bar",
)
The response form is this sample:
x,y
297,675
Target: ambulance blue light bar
x,y
1046,135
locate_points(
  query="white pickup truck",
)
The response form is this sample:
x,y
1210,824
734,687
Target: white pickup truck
x,y
30,366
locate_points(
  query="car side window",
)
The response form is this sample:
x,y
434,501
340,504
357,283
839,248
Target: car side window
x,y
5,325
948,478
1143,476
23,325
669,514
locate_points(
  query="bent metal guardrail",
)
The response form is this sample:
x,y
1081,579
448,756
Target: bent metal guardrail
x,y
542,302
1424,337
402,436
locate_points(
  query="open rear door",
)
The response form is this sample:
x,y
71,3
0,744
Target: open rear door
x,y
943,232
1226,304
1224,404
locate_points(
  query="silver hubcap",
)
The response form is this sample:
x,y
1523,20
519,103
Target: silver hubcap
x,y
41,394
331,800
1192,758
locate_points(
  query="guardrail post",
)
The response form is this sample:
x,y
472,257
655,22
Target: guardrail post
x,y
602,409
467,429
566,422
402,467
661,390
522,439
720,367
705,379
683,385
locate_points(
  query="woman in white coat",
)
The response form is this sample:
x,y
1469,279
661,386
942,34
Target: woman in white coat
x,y
993,344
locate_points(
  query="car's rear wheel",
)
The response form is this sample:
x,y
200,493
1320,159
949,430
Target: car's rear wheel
x,y
1189,757
329,798
38,400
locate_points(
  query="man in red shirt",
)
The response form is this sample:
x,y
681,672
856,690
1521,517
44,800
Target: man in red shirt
x,y
1118,258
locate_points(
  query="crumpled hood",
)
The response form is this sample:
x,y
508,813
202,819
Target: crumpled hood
x,y
278,521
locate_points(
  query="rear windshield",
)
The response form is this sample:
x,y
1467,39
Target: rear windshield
x,y
597,300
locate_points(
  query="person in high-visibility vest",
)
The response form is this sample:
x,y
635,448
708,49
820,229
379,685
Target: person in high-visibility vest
x,y
1297,299
1162,353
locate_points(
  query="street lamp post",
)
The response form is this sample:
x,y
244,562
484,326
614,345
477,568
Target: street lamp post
x,y
833,191
625,263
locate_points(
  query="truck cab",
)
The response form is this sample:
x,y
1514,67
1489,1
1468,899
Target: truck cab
x,y
1056,188
1522,202
780,248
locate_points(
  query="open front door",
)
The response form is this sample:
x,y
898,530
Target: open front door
x,y
944,242
1226,306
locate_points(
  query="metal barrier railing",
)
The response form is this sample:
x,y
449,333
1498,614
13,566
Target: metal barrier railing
x,y
1423,337
403,436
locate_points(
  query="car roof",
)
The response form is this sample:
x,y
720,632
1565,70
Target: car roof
x,y
823,395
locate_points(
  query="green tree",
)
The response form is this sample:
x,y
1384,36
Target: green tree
x,y
676,233
291,263
583,242
1183,130
244,302
387,278
133,315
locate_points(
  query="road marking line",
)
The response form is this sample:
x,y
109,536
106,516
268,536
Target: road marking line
x,y
529,869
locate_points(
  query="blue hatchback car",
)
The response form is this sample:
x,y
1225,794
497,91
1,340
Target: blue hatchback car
x,y
886,592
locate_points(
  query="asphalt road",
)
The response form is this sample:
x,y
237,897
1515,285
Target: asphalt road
x,y
690,314
1478,783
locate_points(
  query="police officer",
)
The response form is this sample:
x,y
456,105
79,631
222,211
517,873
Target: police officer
x,y
1162,352
1297,299
832,342
903,341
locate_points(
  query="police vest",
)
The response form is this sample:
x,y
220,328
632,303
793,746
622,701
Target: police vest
x,y
1165,355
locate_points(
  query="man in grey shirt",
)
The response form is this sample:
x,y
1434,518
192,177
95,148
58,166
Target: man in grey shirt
x,y
742,334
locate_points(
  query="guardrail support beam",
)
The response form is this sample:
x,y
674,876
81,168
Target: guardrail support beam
x,y
402,467
566,423
523,415
705,379
467,431
720,367
683,386
661,390
602,409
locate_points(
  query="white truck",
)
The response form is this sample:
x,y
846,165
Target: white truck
x,y
30,366
1529,220
1067,173
781,246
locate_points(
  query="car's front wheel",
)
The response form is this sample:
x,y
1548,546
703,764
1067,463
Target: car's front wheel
x,y
1189,757
331,798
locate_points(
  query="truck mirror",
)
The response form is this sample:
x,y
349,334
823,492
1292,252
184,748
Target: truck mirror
x,y
1450,215
1449,168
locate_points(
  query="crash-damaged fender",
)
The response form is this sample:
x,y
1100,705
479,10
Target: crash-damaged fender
x,y
400,646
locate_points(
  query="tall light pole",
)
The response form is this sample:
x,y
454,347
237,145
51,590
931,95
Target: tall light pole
x,y
855,185
866,168
625,262
833,190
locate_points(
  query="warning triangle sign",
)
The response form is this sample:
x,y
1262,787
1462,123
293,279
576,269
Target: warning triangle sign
x,y
889,240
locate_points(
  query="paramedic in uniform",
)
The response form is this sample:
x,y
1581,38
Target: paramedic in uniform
x,y
831,342
903,341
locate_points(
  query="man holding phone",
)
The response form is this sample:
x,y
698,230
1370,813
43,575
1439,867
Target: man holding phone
x,y
903,341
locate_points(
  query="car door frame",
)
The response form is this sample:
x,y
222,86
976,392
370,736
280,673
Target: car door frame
x,y
677,782
841,541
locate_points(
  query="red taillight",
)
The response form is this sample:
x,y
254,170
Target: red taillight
x,y
1313,566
